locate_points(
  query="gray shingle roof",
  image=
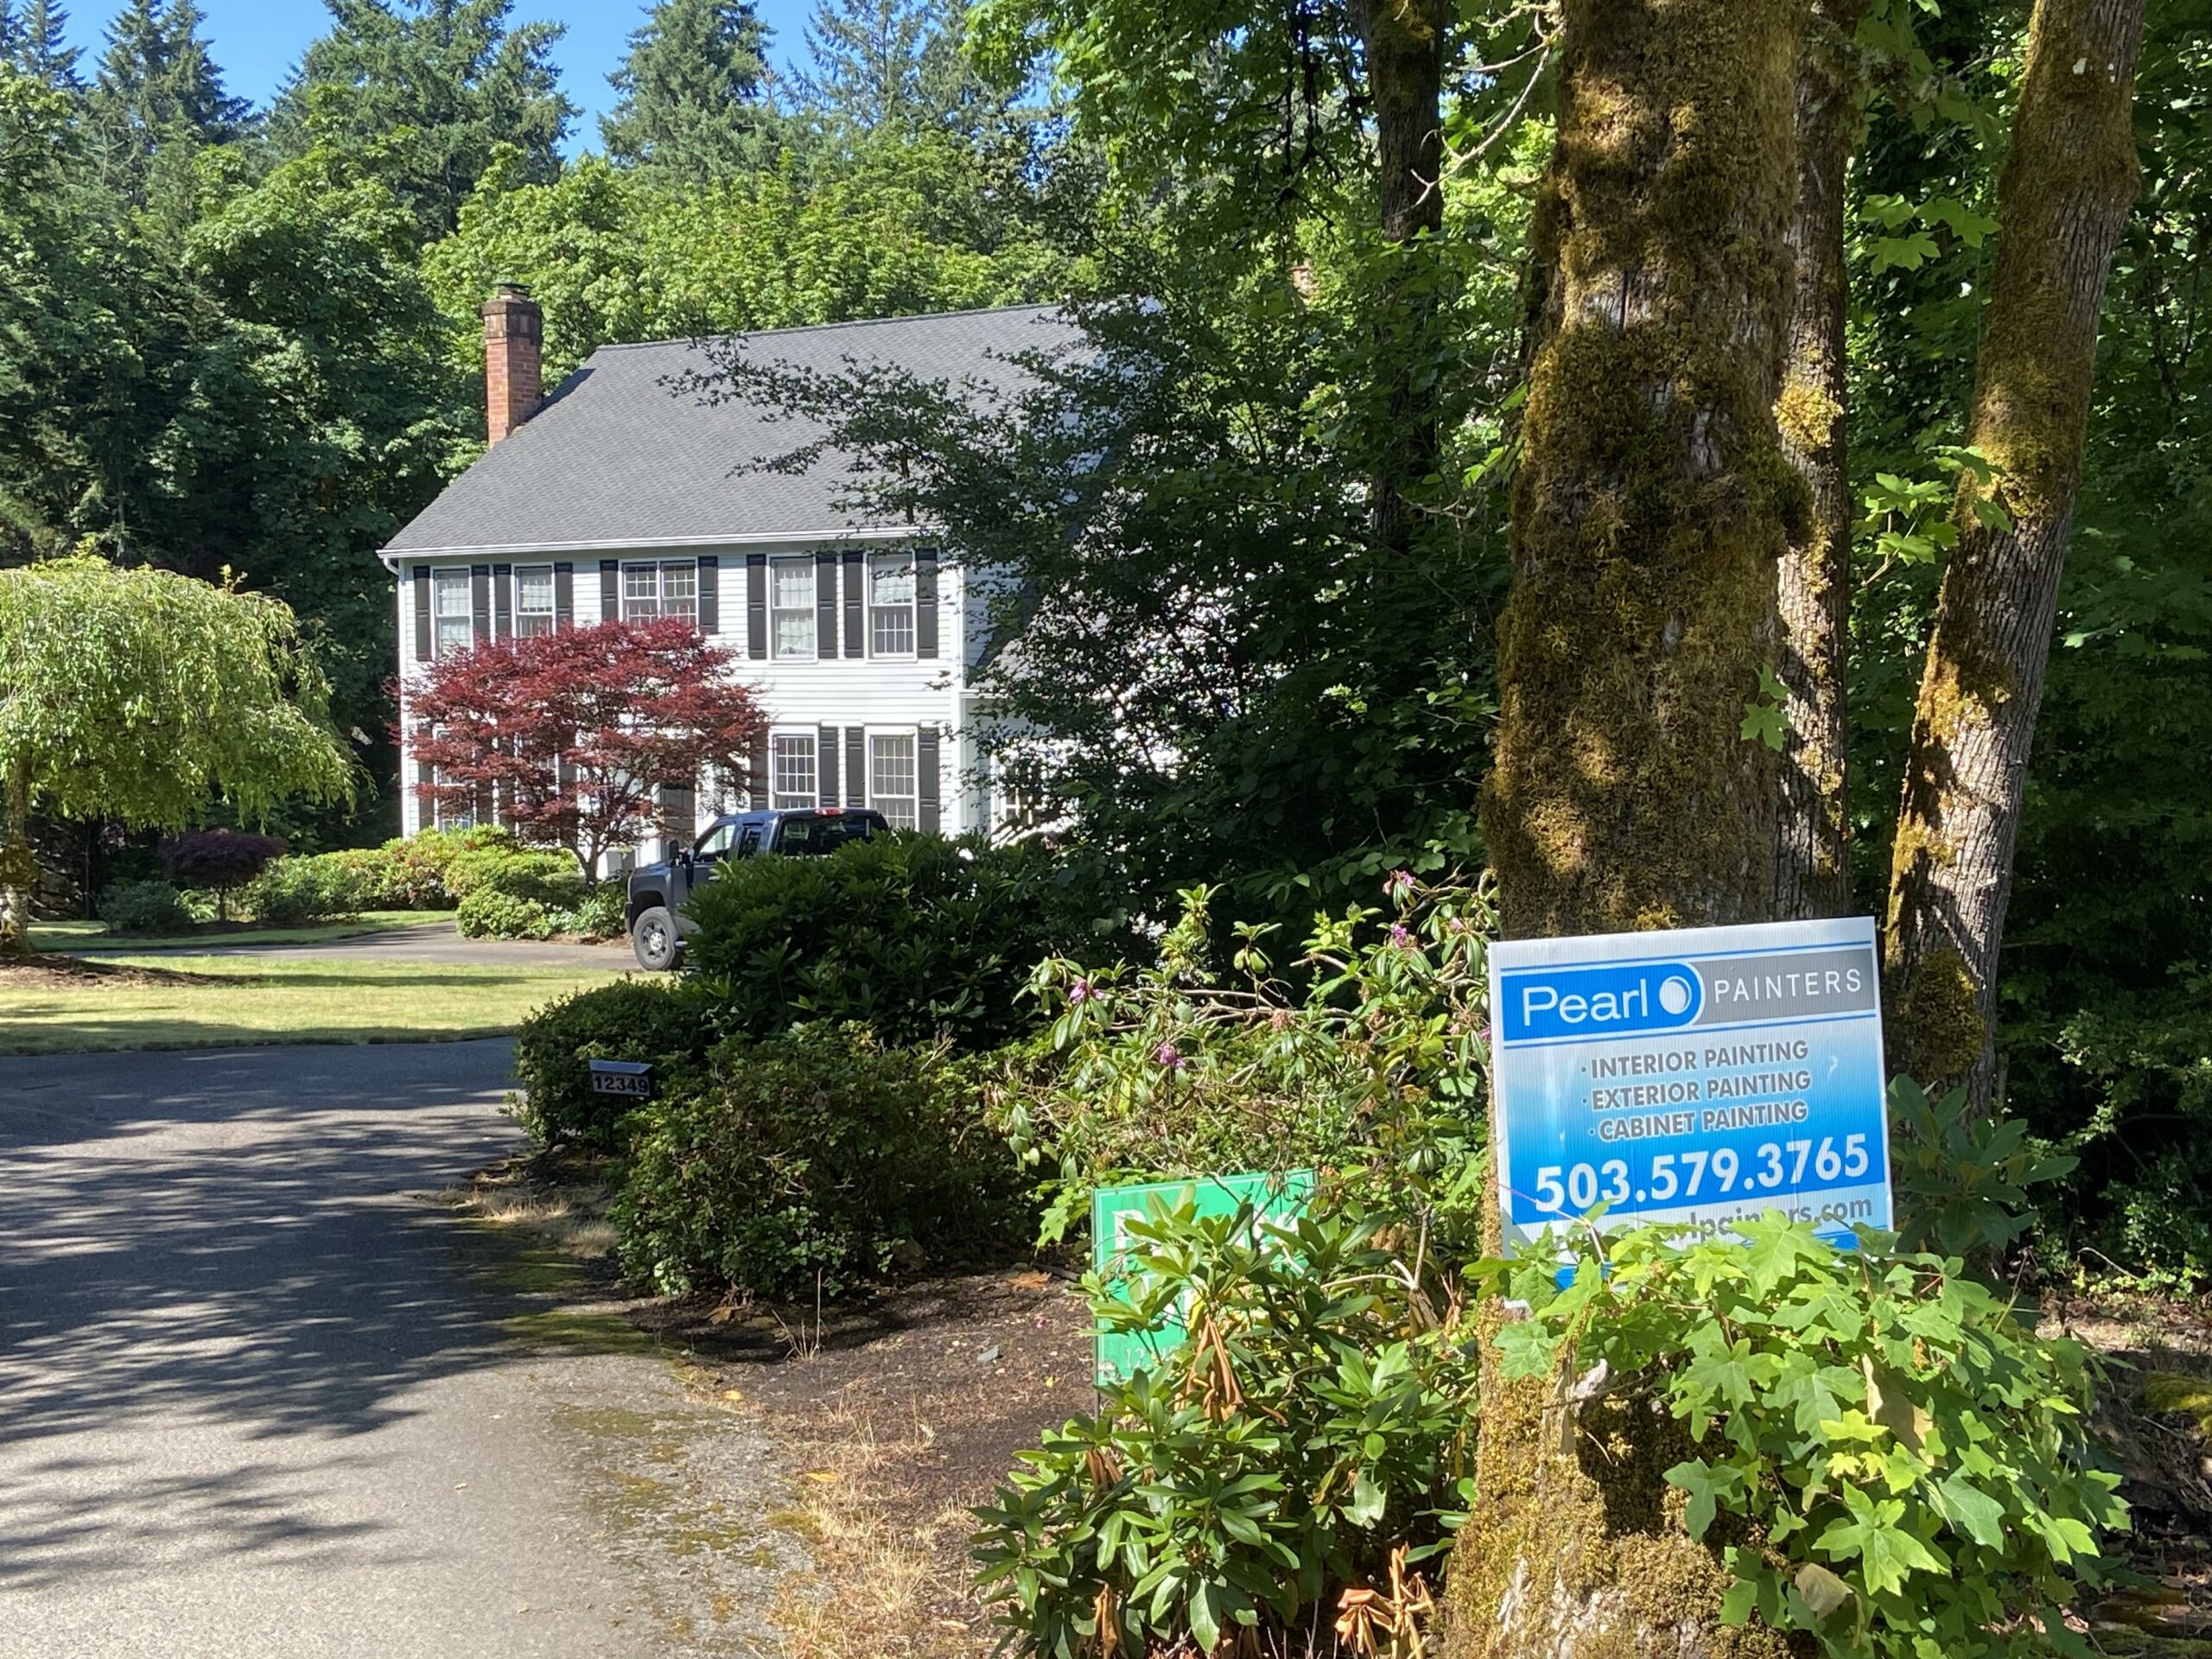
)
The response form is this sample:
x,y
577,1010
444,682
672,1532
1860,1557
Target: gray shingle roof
x,y
619,454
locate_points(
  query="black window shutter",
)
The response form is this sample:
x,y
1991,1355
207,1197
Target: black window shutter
x,y
825,606
479,600
826,759
926,812
610,590
856,604
925,601
856,765
502,600
564,595
756,607
425,641
710,594
756,782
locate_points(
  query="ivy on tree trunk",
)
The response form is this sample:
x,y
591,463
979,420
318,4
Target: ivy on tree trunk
x,y
1652,505
1812,845
2063,200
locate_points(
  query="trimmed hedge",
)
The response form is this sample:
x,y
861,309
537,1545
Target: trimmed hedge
x,y
812,1160
918,938
662,1020
144,907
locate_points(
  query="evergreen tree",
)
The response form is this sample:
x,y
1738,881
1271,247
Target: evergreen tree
x,y
39,45
692,106
887,64
192,89
429,89
157,98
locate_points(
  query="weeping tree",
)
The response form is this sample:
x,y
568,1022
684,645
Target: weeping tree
x,y
1652,506
142,696
2063,200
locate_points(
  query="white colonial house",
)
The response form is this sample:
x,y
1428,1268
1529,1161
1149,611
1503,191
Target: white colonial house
x,y
624,494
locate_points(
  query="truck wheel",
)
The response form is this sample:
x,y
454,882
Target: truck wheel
x,y
652,935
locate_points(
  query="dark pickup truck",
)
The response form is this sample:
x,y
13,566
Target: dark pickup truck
x,y
658,892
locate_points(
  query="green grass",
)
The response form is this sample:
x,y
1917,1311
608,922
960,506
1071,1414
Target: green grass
x,y
80,936
228,1002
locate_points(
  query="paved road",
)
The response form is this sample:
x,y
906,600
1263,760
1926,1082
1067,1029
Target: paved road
x,y
440,943
256,1398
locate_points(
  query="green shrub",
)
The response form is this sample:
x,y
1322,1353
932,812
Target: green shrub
x,y
1378,1063
813,1158
553,879
488,913
599,913
144,907
1318,1421
660,1020
1913,1456
916,937
294,892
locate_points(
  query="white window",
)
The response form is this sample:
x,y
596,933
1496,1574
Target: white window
x,y
790,604
455,611
891,774
660,590
533,598
790,769
890,605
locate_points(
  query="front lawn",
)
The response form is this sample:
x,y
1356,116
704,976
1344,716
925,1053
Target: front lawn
x,y
62,1005
87,936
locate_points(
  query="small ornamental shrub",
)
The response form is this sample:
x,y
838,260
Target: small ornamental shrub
x,y
1893,1463
1377,1063
295,892
916,937
660,1020
218,859
553,879
598,914
814,1159
488,913
1299,1457
144,907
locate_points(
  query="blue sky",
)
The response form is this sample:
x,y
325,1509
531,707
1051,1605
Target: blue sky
x,y
259,41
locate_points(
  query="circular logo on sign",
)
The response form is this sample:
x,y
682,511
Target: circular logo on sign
x,y
1675,994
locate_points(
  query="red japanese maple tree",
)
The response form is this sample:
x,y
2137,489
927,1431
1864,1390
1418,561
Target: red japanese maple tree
x,y
569,735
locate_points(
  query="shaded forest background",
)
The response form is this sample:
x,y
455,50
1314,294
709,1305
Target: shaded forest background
x,y
245,340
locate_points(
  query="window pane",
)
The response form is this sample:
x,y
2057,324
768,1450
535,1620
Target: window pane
x,y
891,779
791,771
891,580
453,598
456,625
679,591
794,584
640,592
794,633
891,633
534,598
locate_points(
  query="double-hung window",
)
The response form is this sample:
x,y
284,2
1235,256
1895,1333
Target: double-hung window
x,y
533,598
791,772
890,605
891,777
669,588
451,591
790,604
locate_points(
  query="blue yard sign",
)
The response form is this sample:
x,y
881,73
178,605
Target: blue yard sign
x,y
1693,1079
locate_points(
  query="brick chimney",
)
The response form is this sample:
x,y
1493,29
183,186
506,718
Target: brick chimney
x,y
514,339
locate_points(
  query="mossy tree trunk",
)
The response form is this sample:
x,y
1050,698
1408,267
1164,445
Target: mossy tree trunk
x,y
1653,503
18,863
1812,843
2063,200
1403,44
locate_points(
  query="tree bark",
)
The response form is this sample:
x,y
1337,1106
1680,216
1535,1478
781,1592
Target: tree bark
x,y
1403,43
2062,201
18,863
1652,505
1812,844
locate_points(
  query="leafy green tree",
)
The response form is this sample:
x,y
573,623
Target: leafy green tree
x,y
432,88
694,107
145,696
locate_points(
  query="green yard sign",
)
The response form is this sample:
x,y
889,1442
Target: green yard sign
x,y
1274,1198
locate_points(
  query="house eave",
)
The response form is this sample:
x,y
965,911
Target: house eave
x,y
390,557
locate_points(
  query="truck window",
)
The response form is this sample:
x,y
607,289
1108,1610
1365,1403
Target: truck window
x,y
716,843
749,842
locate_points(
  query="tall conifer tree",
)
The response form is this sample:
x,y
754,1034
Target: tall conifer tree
x,y
692,91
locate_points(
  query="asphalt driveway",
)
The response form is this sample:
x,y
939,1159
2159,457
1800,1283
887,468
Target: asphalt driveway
x,y
258,1398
